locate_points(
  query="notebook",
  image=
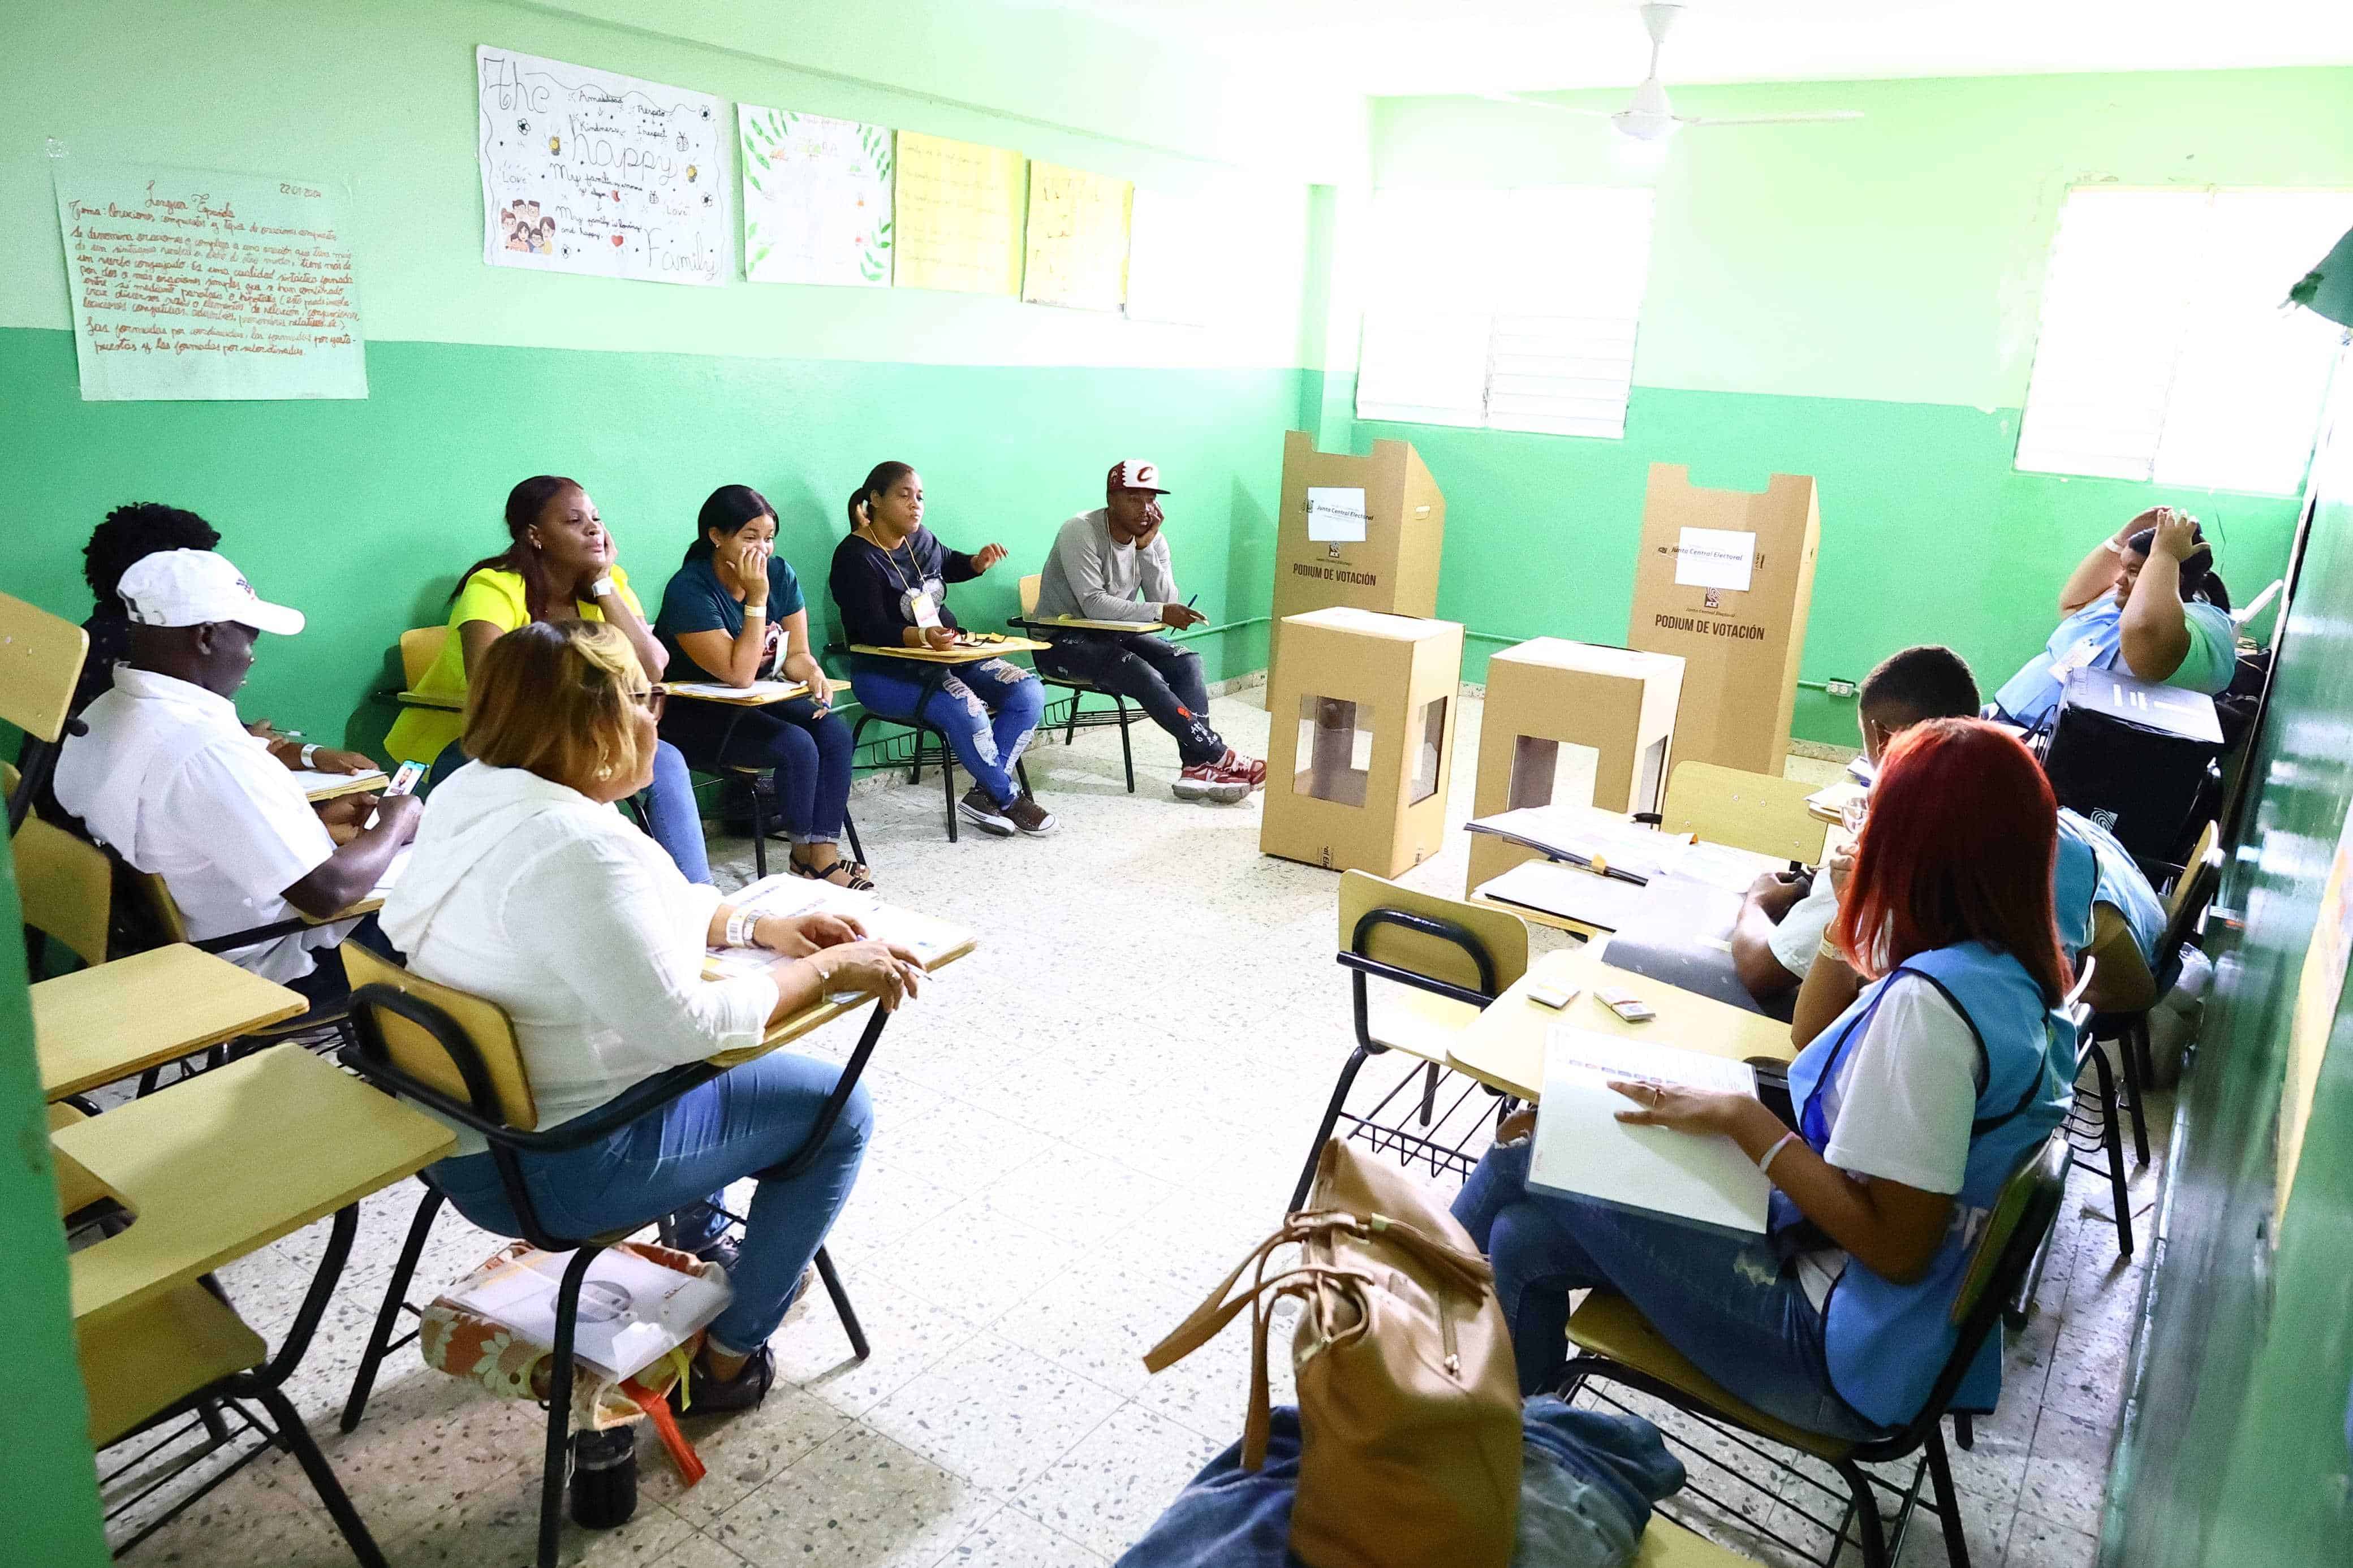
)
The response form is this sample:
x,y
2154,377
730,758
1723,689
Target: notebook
x,y
631,1311
1583,1151
1567,892
316,783
928,937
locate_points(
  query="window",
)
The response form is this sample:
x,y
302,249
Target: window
x,y
1508,309
2163,355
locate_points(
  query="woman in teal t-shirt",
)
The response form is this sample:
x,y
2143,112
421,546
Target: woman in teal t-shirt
x,y
733,613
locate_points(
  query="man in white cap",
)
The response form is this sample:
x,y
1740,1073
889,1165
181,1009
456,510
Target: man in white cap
x,y
169,778
1112,564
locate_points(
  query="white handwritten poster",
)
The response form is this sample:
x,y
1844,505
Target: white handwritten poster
x,y
817,198
1176,258
1078,238
590,171
193,284
958,207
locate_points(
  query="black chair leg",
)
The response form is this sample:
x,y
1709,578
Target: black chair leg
x,y
1872,1535
857,851
1021,773
296,1439
2133,1086
1428,1093
1331,1120
1948,1502
387,1318
832,1279
1126,751
1071,731
1965,1431
2112,1140
559,1403
947,777
759,830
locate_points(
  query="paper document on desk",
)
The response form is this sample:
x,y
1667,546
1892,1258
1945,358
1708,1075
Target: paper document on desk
x,y
1721,866
631,1311
1567,892
1583,1151
319,784
1584,833
720,692
928,937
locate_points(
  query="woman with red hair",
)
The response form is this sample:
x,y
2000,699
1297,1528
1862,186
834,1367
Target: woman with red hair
x,y
1915,1104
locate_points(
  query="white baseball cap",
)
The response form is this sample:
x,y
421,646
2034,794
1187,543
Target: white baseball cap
x,y
197,589
1136,474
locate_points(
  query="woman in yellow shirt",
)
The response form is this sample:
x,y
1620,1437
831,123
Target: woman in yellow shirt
x,y
559,565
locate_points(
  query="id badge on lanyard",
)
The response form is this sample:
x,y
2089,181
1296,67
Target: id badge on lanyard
x,y
920,606
2080,657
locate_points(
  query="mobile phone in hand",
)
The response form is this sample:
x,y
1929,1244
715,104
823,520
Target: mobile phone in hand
x,y
405,778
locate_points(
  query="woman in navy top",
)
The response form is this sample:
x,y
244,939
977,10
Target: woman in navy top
x,y
733,613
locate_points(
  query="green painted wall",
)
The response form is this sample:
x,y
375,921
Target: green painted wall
x,y
1855,301
2235,1442
52,1488
362,512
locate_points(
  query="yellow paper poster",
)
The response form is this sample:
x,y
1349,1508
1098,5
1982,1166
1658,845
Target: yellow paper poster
x,y
2317,995
958,220
1078,238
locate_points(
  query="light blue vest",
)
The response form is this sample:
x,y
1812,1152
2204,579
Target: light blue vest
x,y
2074,888
2120,881
1885,1341
2091,638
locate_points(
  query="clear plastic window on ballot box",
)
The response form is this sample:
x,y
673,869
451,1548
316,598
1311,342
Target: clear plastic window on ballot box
x,y
1335,750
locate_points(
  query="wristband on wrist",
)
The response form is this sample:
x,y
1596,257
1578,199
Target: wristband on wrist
x,y
604,587
759,610
1765,1165
309,750
2112,547
740,923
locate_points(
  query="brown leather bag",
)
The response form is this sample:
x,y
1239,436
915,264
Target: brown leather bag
x,y
1409,1403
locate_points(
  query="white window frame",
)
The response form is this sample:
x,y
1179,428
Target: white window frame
x,y
2162,353
1491,309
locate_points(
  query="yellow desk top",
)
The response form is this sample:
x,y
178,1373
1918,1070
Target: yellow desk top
x,y
961,654
426,700
702,692
1079,623
228,1162
115,1019
1504,1046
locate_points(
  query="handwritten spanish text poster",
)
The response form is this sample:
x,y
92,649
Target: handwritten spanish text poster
x,y
1078,238
192,284
817,198
590,171
959,216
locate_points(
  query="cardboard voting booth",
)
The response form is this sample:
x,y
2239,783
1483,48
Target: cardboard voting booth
x,y
1361,744
1360,531
1724,581
1568,723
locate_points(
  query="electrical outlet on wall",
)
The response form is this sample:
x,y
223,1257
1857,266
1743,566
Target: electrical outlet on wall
x,y
1838,688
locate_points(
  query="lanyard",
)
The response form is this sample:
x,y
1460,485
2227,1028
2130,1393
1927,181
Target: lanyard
x,y
890,559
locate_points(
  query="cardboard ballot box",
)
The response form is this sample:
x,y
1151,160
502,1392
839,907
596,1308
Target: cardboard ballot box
x,y
1362,531
1724,581
1361,740
1569,723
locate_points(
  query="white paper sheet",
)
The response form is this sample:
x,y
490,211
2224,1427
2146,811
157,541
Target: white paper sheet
x,y
1582,1149
590,171
817,198
1336,516
1715,558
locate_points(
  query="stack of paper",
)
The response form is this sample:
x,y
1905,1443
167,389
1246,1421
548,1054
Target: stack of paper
x,y
720,692
631,1311
1583,1151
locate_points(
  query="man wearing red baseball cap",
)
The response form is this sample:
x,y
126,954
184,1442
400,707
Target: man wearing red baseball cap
x,y
1112,564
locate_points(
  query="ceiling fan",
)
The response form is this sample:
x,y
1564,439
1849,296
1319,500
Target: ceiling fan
x,y
1651,118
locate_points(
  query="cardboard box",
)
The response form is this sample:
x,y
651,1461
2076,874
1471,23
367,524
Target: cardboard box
x,y
1575,724
1361,531
1740,644
1362,740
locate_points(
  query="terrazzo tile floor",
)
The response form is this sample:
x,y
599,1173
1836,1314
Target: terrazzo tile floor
x,y
1078,1130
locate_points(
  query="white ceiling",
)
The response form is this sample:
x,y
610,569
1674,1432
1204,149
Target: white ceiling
x,y
1387,46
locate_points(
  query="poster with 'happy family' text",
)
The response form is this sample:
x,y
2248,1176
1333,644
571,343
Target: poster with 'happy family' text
x,y
590,171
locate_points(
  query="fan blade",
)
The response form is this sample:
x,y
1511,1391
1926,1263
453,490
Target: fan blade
x,y
1779,119
1540,103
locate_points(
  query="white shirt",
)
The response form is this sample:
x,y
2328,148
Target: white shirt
x,y
536,898
1800,935
1900,1106
169,778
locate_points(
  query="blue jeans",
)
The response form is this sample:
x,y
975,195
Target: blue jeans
x,y
810,757
988,710
737,1125
671,816
1730,1305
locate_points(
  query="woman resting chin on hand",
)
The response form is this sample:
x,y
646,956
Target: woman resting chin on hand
x,y
526,888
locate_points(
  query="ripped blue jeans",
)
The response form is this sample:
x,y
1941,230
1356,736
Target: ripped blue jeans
x,y
1730,1305
988,710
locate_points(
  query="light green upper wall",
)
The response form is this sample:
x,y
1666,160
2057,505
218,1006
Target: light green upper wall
x,y
381,95
1898,258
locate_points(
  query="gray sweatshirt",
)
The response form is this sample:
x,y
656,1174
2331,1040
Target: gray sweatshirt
x,y
1093,578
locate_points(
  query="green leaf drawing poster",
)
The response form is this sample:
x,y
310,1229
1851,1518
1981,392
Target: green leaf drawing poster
x,y
817,198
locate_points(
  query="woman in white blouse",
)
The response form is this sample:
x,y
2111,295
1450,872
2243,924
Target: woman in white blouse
x,y
527,887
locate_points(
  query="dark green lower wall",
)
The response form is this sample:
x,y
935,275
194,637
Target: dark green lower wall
x,y
361,514
1928,534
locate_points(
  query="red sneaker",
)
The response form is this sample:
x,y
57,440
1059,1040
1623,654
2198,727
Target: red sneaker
x,y
1251,768
1212,781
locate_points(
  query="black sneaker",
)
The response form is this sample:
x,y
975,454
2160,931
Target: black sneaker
x,y
985,814
700,1394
